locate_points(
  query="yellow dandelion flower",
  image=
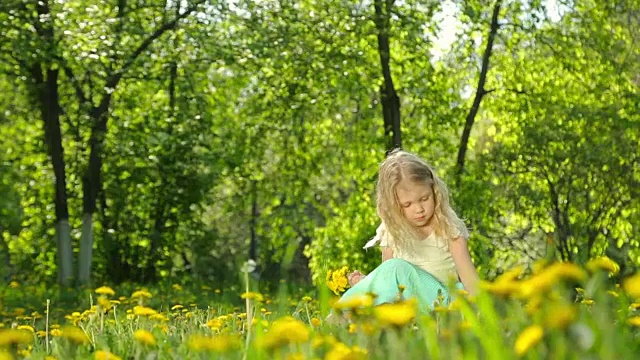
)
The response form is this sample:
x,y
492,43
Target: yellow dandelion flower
x,y
534,303
340,351
139,294
397,314
144,337
353,328
221,343
337,280
635,306
75,335
560,316
41,333
603,263
549,277
634,321
316,322
27,328
353,302
5,355
104,303
56,332
49,357
143,311
14,337
528,338
158,317
105,290
215,324
14,285
587,301
284,331
252,296
500,288
176,307
105,355
510,275
632,286
307,299
440,309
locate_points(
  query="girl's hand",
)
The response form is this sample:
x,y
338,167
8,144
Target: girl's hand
x,y
355,277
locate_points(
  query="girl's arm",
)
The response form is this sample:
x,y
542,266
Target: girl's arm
x,y
466,270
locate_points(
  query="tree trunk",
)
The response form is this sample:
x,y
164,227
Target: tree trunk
x,y
480,91
253,222
91,188
389,98
45,82
86,249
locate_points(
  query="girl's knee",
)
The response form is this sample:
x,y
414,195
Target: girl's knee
x,y
398,264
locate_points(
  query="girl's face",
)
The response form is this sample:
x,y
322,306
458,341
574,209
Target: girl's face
x,y
417,203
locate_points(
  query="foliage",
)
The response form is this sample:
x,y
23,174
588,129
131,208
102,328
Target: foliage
x,y
256,130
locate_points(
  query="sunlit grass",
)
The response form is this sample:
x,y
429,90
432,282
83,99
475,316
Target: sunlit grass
x,y
559,311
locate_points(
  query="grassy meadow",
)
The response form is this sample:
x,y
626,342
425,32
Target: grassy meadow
x,y
557,311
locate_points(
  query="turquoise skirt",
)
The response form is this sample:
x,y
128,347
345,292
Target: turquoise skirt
x,y
386,279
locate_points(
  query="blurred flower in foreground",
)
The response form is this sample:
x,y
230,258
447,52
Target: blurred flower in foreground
x,y
14,337
561,315
603,263
105,355
144,337
396,314
284,331
341,351
632,286
528,338
354,302
75,335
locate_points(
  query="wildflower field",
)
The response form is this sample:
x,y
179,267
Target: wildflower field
x,y
557,310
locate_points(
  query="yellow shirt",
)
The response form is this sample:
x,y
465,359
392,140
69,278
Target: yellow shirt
x,y
431,254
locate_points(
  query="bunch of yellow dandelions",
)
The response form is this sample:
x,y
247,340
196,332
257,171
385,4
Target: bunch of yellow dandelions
x,y
337,280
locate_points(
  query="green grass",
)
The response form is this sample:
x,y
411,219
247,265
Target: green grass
x,y
561,312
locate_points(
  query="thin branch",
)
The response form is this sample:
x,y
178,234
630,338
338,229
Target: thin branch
x,y
480,91
115,77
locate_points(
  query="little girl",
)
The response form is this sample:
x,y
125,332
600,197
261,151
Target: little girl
x,y
424,242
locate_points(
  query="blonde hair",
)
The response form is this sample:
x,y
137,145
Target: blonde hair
x,y
400,234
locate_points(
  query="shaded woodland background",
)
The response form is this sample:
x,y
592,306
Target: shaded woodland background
x,y
148,140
